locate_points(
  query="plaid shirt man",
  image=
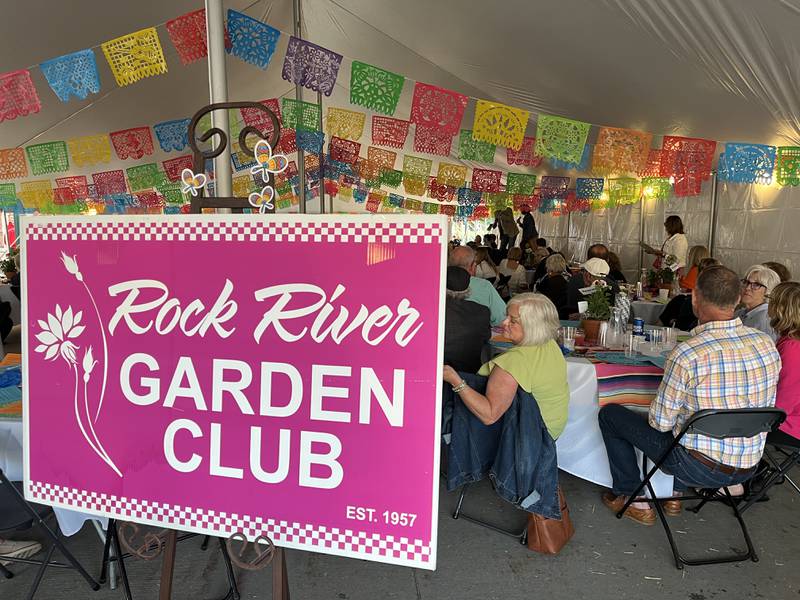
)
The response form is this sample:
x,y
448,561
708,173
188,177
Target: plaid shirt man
x,y
723,365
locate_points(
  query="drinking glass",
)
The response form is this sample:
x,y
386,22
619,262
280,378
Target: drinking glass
x,y
568,337
632,345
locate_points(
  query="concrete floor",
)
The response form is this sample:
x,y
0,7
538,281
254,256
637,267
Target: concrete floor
x,y
606,559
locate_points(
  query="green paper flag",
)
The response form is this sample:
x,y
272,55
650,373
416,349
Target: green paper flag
x,y
142,177
301,115
48,158
471,149
561,138
658,188
520,183
624,190
375,88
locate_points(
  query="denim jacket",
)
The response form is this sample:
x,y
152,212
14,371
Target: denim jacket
x,y
517,451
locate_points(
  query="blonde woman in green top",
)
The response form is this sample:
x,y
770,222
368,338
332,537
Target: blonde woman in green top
x,y
535,364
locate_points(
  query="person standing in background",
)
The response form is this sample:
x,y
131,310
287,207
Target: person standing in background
x,y
675,245
528,226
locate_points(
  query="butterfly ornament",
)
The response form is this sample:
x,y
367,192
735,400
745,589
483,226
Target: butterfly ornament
x,y
267,161
263,200
192,183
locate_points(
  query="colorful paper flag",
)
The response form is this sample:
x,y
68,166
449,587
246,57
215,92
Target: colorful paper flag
x,y
251,40
50,157
132,143
18,97
499,124
561,138
72,75
135,56
375,88
311,66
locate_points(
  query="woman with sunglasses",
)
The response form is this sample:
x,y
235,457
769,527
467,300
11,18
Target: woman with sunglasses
x,y
756,288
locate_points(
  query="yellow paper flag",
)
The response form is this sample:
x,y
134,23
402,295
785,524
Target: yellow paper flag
x,y
135,56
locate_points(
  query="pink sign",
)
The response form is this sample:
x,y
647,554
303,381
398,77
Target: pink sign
x,y
273,376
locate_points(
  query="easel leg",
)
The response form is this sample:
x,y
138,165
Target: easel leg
x,y
280,577
168,566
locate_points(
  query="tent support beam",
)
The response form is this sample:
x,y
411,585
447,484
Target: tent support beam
x,y
641,236
712,217
297,14
322,162
218,92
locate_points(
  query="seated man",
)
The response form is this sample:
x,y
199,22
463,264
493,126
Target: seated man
x,y
584,278
592,271
480,290
724,365
466,324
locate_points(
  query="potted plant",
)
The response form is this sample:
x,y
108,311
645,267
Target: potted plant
x,y
599,310
9,267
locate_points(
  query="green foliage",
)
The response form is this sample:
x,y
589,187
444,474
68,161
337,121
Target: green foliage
x,y
599,307
8,265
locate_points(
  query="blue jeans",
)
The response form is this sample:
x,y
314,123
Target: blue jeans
x,y
623,430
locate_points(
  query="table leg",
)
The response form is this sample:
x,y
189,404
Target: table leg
x,y
168,566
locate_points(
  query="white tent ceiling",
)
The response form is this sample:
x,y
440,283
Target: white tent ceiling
x,y
719,69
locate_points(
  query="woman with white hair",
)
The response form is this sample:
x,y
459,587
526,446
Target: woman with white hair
x,y
535,364
757,285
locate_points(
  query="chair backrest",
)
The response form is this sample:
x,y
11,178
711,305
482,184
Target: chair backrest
x,y
736,422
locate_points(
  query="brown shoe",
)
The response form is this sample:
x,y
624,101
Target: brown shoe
x,y
643,516
672,508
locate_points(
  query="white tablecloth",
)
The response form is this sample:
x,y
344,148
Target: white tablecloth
x,y
69,521
581,451
649,311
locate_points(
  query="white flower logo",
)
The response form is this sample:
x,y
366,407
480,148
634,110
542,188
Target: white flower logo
x,y
58,337
57,334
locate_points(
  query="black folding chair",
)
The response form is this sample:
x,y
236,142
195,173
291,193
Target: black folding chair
x,y
520,536
778,468
17,514
717,424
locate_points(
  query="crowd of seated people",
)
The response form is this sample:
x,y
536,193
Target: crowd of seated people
x,y
743,352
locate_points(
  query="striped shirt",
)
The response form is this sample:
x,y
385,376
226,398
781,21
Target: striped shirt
x,y
723,365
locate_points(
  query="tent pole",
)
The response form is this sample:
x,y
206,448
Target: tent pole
x,y
641,234
298,94
322,162
712,218
218,92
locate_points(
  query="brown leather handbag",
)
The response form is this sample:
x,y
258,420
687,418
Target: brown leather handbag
x,y
548,536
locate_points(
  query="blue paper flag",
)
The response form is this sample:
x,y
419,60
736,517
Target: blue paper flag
x,y
251,40
589,188
72,75
173,135
582,166
468,197
310,141
747,163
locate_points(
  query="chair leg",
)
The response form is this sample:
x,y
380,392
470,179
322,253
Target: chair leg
x,y
780,471
234,588
737,513
106,551
663,518
521,536
121,561
50,533
204,545
6,573
40,573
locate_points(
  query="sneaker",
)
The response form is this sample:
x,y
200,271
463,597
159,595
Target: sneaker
x,y
17,549
643,516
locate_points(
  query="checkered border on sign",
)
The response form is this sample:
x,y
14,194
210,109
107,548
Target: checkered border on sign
x,y
215,231
224,525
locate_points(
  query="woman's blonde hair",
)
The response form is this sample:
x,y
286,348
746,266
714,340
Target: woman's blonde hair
x,y
784,309
555,263
538,317
482,254
514,253
765,276
696,254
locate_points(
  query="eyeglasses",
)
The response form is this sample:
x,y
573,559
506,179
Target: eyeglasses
x,y
753,285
